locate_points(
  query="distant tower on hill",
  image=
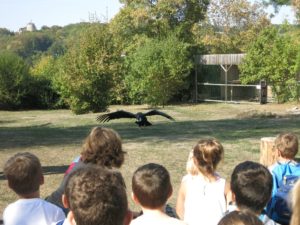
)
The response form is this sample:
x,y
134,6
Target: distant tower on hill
x,y
30,27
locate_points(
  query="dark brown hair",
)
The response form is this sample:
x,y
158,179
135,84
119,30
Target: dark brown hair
x,y
240,218
23,172
287,144
96,195
103,147
151,184
208,153
251,183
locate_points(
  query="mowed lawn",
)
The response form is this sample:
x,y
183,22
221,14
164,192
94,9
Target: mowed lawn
x,y
56,137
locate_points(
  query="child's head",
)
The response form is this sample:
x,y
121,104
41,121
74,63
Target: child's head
x,y
251,184
287,145
207,155
151,186
24,173
96,195
240,218
103,147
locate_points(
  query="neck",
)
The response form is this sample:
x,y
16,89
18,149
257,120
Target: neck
x,y
283,160
157,211
31,195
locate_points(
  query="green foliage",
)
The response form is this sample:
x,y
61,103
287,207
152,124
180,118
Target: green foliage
x,y
272,57
87,71
157,70
42,92
14,80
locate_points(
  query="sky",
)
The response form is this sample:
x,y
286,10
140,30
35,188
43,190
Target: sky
x,y
15,14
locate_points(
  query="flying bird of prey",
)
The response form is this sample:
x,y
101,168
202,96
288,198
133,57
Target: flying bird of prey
x,y
141,118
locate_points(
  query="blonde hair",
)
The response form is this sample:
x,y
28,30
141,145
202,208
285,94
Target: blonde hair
x,y
207,155
287,144
295,220
191,168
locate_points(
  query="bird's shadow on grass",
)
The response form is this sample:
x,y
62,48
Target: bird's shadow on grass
x,y
228,130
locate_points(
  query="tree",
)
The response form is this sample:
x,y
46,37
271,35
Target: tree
x,y
158,70
14,80
272,57
231,25
88,68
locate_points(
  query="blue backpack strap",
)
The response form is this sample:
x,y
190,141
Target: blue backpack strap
x,y
60,222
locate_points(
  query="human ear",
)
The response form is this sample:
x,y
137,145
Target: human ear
x,y
42,180
134,198
65,201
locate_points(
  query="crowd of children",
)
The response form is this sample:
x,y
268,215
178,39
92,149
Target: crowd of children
x,y
93,191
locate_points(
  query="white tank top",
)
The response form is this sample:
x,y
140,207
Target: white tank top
x,y
205,202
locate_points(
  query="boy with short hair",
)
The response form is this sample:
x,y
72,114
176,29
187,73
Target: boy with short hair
x,y
285,172
286,145
251,186
96,195
24,174
151,186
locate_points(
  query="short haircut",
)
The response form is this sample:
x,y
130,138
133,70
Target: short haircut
x,y
103,146
151,184
251,183
287,144
23,172
96,195
240,218
208,153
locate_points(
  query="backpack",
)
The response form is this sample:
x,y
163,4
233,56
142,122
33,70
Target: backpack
x,y
284,179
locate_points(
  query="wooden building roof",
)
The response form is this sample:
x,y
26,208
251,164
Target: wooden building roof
x,y
220,59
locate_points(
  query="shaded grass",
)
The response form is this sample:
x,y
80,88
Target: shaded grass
x,y
56,138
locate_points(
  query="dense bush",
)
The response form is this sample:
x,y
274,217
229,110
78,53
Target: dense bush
x,y
14,81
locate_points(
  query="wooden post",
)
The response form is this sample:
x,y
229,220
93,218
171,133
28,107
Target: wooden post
x,y
267,154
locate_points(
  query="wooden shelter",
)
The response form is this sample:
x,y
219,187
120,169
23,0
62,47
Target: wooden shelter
x,y
226,61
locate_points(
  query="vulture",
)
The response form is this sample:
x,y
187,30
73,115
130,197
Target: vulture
x,y
141,118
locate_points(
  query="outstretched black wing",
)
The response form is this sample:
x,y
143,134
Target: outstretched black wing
x,y
156,112
115,115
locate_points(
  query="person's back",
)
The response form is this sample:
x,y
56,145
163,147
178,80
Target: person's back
x,y
204,199
202,195
102,147
285,172
24,174
151,186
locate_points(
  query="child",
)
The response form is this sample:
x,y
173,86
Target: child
x,y
151,187
103,147
251,186
24,174
286,147
295,220
202,196
95,195
240,218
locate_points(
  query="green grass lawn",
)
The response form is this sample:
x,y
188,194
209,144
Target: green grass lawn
x,y
56,137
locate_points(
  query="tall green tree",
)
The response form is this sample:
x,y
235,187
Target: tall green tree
x,y
157,70
14,80
272,57
87,71
231,26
